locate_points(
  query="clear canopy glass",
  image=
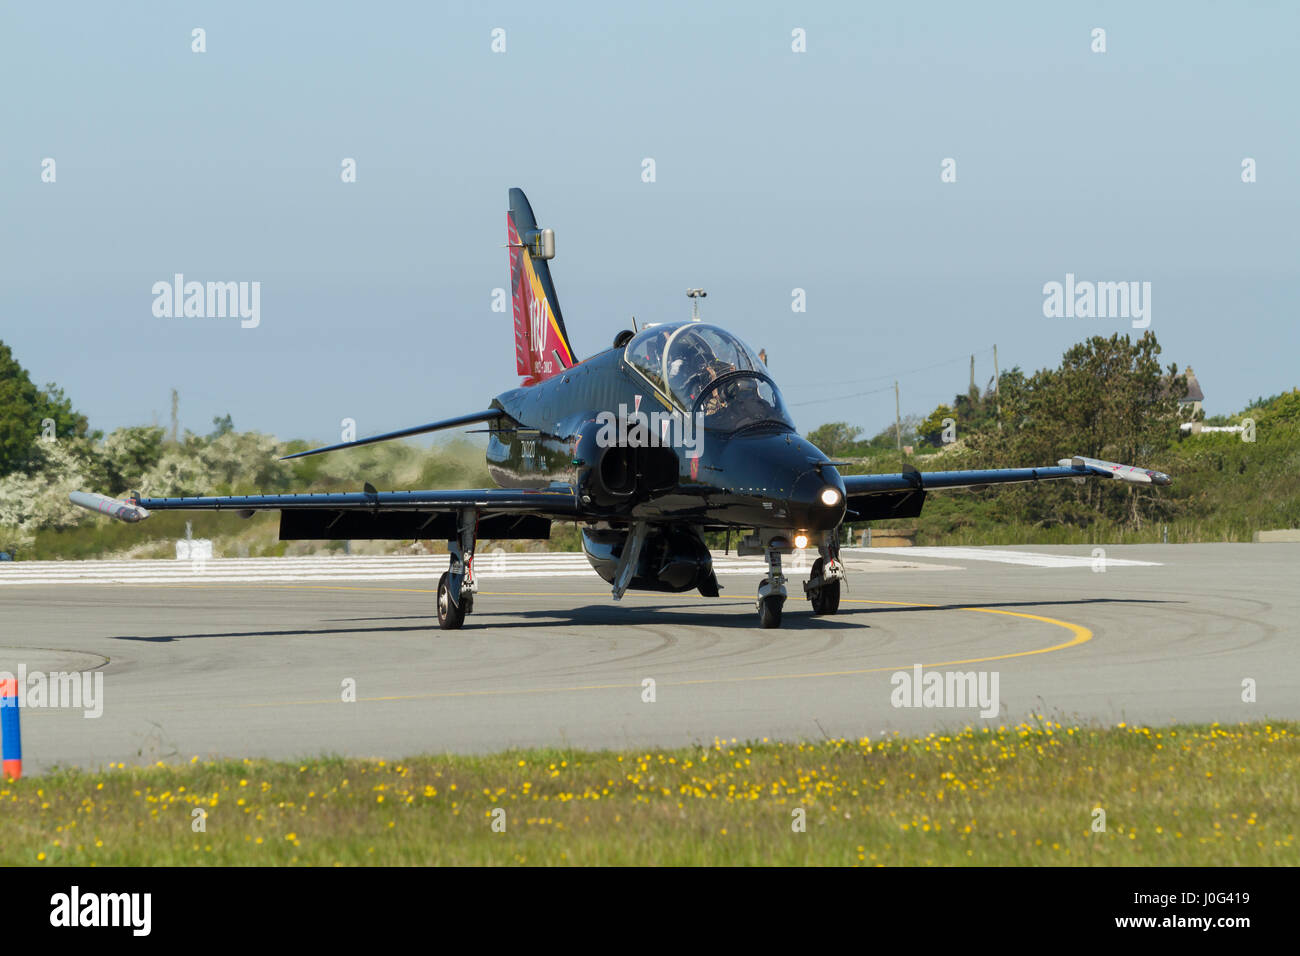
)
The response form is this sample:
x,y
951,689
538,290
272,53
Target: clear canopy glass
x,y
706,368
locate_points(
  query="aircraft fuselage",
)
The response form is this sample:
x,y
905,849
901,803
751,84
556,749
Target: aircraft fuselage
x,y
761,475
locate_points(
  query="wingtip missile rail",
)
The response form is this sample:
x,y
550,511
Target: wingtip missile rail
x,y
127,511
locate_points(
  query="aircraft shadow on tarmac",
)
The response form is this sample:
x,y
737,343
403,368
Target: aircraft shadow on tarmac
x,y
795,617
605,615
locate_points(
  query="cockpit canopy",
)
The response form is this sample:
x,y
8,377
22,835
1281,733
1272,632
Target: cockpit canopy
x,y
704,368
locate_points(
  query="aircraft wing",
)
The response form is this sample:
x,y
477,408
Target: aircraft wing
x,y
1066,468
371,514
503,512
871,497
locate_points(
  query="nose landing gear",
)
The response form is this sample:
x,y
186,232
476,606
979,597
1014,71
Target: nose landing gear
x,y
771,543
771,591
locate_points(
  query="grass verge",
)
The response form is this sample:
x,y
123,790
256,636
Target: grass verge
x,y
1024,795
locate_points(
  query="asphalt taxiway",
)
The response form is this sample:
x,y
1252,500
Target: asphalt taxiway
x,y
258,658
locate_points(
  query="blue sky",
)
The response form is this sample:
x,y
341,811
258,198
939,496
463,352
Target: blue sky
x,y
775,170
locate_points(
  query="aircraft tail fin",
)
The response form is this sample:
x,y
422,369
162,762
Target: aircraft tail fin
x,y
541,343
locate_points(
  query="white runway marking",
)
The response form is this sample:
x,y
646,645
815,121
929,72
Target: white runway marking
x,y
1027,558
420,568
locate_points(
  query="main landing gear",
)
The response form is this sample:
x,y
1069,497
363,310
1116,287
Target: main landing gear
x,y
823,588
457,587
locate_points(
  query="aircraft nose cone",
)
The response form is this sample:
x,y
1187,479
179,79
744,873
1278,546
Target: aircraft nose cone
x,y
817,499
784,470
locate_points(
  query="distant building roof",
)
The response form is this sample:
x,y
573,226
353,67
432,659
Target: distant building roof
x,y
1194,393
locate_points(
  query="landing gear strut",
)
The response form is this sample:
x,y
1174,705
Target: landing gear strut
x,y
457,587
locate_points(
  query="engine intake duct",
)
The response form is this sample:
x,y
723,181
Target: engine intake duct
x,y
616,474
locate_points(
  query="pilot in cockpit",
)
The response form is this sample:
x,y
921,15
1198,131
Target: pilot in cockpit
x,y
690,375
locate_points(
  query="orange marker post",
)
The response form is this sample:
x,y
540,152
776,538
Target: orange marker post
x,y
10,729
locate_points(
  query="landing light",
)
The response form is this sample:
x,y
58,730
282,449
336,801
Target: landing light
x,y
801,541
830,497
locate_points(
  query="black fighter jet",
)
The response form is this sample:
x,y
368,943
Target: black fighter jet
x,y
675,430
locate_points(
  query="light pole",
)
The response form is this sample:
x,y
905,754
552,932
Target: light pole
x,y
696,295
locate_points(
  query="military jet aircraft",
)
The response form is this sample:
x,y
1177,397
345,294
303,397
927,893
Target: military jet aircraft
x,y
675,430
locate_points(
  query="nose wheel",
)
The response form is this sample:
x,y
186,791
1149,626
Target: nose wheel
x,y
769,606
771,591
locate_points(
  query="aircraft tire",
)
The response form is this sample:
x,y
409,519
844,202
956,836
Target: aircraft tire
x,y
450,617
769,609
826,599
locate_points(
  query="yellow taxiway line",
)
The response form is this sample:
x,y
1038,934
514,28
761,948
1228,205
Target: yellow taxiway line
x,y
1080,635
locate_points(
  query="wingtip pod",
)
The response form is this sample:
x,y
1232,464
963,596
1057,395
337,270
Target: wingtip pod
x,y
1109,469
127,511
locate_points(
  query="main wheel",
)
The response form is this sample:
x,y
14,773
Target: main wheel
x,y
826,599
769,608
450,617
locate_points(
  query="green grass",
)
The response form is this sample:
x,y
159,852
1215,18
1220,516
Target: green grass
x,y
1223,489
156,537
1184,795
